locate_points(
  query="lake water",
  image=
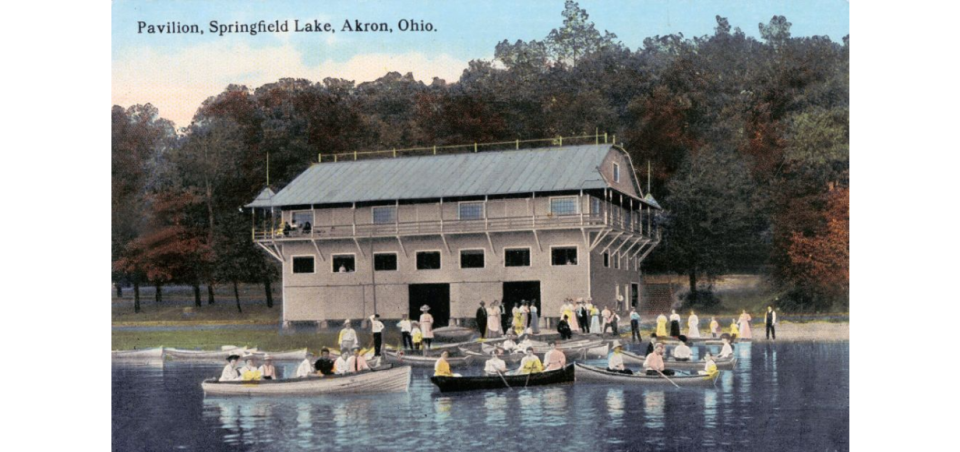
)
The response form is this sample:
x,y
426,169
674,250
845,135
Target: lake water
x,y
783,396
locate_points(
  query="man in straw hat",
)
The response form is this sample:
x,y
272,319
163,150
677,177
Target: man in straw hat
x,y
426,326
230,372
615,362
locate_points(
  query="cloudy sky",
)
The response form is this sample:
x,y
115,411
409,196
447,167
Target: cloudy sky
x,y
176,72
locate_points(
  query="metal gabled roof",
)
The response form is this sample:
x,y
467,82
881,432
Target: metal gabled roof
x,y
263,199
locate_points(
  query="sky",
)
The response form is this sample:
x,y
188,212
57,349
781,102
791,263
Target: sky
x,y
176,72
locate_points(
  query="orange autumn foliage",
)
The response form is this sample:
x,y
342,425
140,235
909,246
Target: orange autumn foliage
x,y
822,260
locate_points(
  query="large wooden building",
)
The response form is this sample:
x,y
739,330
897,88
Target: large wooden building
x,y
448,231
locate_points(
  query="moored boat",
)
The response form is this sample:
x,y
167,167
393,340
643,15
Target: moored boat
x,y
593,374
396,379
143,354
403,358
203,355
634,358
293,355
455,384
454,334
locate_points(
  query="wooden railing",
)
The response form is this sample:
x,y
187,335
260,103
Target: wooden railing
x,y
432,227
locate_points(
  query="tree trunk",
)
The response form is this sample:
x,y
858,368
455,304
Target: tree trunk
x,y
266,288
136,295
158,294
693,286
210,299
236,294
196,294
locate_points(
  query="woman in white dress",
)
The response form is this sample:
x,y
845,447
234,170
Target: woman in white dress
x,y
693,325
426,326
745,319
493,322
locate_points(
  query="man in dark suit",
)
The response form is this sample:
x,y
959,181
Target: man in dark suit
x,y
583,318
482,319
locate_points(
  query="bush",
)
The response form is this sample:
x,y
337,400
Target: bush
x,y
799,299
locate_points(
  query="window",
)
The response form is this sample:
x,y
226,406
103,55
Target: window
x,y
594,206
634,295
563,206
517,257
616,172
344,263
606,260
471,210
428,260
471,258
301,218
384,215
616,263
385,262
303,264
565,255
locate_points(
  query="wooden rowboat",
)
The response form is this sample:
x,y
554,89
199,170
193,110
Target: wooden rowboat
x,y
144,354
634,358
593,374
395,379
474,358
454,334
402,358
455,384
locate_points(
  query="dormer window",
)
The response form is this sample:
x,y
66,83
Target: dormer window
x,y
616,172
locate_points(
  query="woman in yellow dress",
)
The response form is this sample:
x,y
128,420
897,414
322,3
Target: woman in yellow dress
x,y
662,326
442,367
734,329
571,319
517,320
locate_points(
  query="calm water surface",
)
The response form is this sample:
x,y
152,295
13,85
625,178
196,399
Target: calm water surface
x,y
785,396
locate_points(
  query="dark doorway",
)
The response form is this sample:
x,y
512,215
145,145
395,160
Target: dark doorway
x,y
437,296
515,291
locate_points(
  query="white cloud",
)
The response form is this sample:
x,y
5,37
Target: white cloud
x,y
177,83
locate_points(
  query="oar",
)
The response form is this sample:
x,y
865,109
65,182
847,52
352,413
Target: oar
x,y
665,377
504,380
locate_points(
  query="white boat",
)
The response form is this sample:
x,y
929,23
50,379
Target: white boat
x,y
293,355
142,354
203,355
593,374
396,379
412,358
722,363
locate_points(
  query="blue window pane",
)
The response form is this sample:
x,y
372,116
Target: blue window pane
x,y
471,211
563,206
384,215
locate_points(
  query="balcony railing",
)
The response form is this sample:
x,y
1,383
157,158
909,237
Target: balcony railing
x,y
433,227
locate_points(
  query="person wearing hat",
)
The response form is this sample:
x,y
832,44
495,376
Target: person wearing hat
x,y
348,336
495,365
426,326
230,372
653,365
554,359
564,328
709,367
324,365
267,370
356,362
615,362
530,364
340,365
305,369
376,327
482,320
682,352
442,367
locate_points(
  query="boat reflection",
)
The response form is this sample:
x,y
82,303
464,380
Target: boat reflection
x,y
615,404
653,402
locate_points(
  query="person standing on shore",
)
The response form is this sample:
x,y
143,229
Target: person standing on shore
x,y
734,329
417,336
771,320
674,324
426,326
493,321
534,317
634,325
745,319
693,325
714,327
406,331
348,336
661,325
595,320
482,320
583,317
376,327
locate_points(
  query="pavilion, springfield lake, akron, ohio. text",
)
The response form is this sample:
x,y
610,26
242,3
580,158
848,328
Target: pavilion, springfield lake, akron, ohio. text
x,y
393,234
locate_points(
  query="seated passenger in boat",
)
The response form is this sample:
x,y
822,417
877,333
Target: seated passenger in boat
x,y
357,362
324,365
250,371
726,350
524,344
305,369
442,367
653,365
530,364
340,365
682,352
615,362
509,345
230,372
267,370
710,367
495,365
554,359
653,342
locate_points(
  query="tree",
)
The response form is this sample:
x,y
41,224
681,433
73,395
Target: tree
x,y
577,37
820,261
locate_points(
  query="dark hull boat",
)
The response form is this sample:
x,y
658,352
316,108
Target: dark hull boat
x,y
455,384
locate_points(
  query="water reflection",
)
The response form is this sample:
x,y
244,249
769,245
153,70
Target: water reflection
x,y
554,405
615,406
653,408
743,370
495,408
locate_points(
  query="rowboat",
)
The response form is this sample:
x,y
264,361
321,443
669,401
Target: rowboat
x,y
293,355
634,358
409,359
593,374
473,357
202,355
395,379
454,384
144,354
454,334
